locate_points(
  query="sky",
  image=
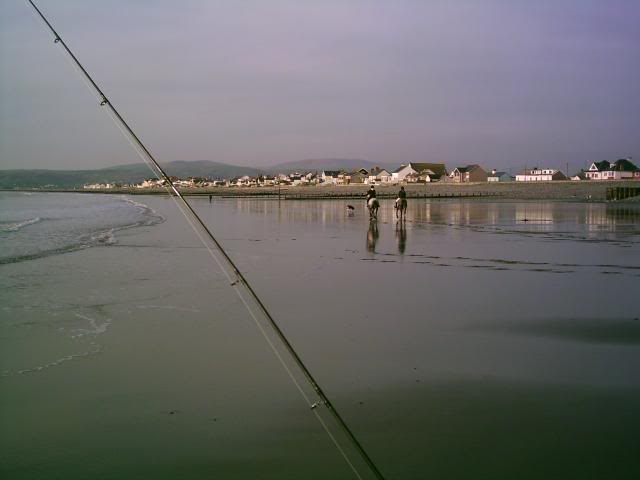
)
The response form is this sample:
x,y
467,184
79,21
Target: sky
x,y
504,84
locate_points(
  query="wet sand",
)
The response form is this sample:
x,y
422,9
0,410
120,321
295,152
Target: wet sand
x,y
433,342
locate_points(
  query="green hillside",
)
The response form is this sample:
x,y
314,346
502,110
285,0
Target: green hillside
x,y
133,173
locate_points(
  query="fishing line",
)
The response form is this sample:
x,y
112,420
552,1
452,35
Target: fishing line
x,y
243,289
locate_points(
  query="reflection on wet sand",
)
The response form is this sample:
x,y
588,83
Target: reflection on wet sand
x,y
372,236
503,428
401,236
623,331
538,215
529,324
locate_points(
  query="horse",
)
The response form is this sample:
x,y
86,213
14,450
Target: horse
x,y
401,208
373,205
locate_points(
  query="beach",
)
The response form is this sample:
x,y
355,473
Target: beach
x,y
467,342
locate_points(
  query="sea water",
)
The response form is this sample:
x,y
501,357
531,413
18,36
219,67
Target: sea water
x,y
475,339
34,225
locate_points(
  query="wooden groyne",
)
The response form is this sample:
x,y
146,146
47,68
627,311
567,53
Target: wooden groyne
x,y
622,193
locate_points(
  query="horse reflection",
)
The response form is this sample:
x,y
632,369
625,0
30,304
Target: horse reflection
x,y
372,236
401,236
373,205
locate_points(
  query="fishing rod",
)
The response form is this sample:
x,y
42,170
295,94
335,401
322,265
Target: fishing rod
x,y
273,334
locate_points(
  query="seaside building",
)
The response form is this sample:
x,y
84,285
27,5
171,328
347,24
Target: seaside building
x,y
330,176
419,172
424,176
597,170
581,175
266,180
622,169
400,173
470,173
540,175
378,175
495,176
96,186
344,178
359,176
310,178
151,183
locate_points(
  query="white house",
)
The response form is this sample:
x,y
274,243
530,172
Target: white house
x,y
540,175
151,183
426,172
184,183
96,186
598,170
265,181
581,175
620,170
378,175
495,176
400,173
330,176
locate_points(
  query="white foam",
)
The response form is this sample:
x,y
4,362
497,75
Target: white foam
x,y
136,204
104,238
145,208
170,307
15,226
95,328
95,350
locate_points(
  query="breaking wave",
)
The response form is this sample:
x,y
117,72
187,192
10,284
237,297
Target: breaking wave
x,y
15,226
71,225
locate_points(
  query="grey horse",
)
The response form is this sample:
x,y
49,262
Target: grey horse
x,y
373,206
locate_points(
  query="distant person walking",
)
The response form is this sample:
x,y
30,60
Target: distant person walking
x,y
210,197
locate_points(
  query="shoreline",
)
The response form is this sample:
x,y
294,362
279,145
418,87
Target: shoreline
x,y
557,190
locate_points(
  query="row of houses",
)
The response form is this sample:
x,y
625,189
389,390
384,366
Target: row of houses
x,y
621,169
417,173
413,172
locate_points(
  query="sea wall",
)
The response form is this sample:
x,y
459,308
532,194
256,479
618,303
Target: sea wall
x,y
558,190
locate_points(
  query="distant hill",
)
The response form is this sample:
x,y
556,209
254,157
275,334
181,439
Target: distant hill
x,y
320,164
133,173
137,172
208,169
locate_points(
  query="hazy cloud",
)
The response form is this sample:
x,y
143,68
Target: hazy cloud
x,y
502,83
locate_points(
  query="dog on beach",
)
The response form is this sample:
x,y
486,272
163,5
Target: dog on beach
x,y
350,210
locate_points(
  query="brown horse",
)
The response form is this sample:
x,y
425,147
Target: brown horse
x,y
401,208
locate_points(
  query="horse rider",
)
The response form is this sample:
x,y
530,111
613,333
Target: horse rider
x,y
402,198
371,193
401,201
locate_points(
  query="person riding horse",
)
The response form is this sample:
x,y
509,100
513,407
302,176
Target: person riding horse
x,y
372,202
401,203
